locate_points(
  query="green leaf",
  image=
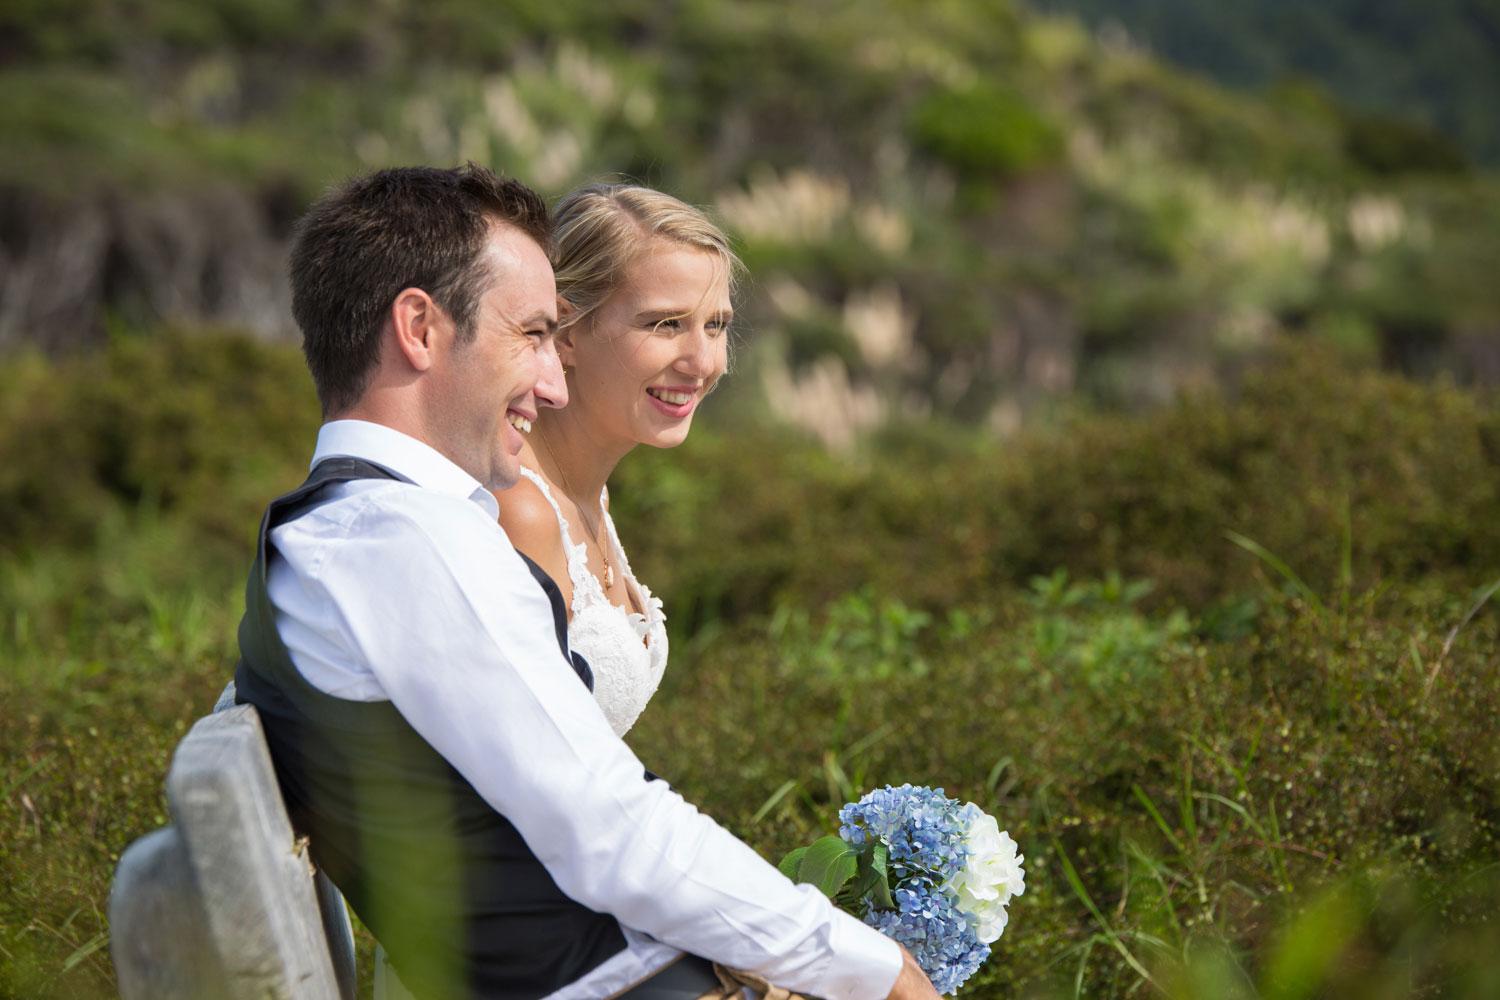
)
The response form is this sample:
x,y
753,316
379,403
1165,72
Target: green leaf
x,y
882,894
828,864
791,865
874,882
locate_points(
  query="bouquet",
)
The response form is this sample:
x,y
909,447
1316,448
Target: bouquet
x,y
923,869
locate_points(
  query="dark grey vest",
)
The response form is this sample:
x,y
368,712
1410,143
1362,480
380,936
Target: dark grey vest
x,y
445,882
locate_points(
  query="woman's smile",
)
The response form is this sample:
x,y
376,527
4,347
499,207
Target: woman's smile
x,y
673,402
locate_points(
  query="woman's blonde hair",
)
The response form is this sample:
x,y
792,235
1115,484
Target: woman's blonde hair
x,y
599,231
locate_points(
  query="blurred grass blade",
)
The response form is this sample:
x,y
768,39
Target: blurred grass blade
x,y
870,739
1270,559
1311,947
840,788
995,772
26,774
1161,823
771,803
1437,665
90,946
1109,934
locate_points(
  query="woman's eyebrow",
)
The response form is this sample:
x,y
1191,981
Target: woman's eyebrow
x,y
672,312
657,315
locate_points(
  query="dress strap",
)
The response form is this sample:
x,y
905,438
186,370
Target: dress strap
x,y
541,484
586,587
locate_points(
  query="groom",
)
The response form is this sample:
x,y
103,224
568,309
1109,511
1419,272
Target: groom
x,y
431,733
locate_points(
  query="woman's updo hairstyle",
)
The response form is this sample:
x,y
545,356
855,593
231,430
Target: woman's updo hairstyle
x,y
600,230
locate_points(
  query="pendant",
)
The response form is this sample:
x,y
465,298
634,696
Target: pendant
x,y
609,577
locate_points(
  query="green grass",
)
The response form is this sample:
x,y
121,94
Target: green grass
x,y
1266,771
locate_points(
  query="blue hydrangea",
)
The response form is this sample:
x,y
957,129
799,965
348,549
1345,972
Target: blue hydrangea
x,y
924,832
938,935
922,829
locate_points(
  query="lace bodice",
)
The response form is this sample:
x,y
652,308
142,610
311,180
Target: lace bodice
x,y
626,668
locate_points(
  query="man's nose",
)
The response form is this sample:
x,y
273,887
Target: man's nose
x,y
551,386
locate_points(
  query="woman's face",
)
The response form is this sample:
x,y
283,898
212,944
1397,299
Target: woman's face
x,y
653,349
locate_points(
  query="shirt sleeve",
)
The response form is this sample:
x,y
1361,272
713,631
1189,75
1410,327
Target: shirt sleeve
x,y
430,595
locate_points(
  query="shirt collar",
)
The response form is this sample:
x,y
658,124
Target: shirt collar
x,y
402,454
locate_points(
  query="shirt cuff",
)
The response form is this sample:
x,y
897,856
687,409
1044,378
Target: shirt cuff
x,y
867,965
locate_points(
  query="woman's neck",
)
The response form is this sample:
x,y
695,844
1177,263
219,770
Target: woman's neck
x,y
573,459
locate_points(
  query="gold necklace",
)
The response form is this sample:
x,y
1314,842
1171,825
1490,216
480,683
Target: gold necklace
x,y
609,572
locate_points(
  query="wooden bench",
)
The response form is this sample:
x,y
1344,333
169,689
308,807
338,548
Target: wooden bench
x,y
224,903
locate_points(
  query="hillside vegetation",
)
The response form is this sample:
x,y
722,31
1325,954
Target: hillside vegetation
x,y
957,208
1435,65
1226,671
1112,449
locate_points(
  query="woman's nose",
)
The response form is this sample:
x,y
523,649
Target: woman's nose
x,y
700,356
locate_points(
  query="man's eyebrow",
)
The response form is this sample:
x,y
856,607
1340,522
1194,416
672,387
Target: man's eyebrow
x,y
540,319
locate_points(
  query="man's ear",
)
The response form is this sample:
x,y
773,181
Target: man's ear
x,y
419,324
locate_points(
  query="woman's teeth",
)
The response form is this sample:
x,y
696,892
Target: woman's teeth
x,y
519,422
673,396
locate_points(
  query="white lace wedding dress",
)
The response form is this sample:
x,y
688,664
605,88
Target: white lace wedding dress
x,y
626,650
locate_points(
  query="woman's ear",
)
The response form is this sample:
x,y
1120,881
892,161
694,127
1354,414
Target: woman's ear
x,y
565,310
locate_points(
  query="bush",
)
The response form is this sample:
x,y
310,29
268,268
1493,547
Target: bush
x,y
985,130
1307,460
195,426
1212,802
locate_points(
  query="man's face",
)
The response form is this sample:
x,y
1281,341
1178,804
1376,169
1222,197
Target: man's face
x,y
483,395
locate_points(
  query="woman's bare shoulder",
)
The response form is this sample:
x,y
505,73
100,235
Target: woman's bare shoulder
x,y
526,514
531,524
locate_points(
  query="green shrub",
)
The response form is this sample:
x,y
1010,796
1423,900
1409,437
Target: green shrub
x,y
1306,456
1206,806
985,130
196,426
1388,144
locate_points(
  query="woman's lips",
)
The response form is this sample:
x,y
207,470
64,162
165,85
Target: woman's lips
x,y
673,402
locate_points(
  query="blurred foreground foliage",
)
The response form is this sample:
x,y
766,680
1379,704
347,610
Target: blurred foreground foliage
x,y
1233,774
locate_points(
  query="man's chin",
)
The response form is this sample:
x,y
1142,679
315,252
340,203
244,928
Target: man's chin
x,y
504,474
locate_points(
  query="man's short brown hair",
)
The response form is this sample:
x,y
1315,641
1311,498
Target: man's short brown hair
x,y
410,227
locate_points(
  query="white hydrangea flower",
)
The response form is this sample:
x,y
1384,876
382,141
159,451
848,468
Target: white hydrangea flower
x,y
991,877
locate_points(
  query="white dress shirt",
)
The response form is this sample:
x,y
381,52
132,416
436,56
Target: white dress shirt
x,y
412,593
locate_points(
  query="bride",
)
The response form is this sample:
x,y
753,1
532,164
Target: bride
x,y
644,284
